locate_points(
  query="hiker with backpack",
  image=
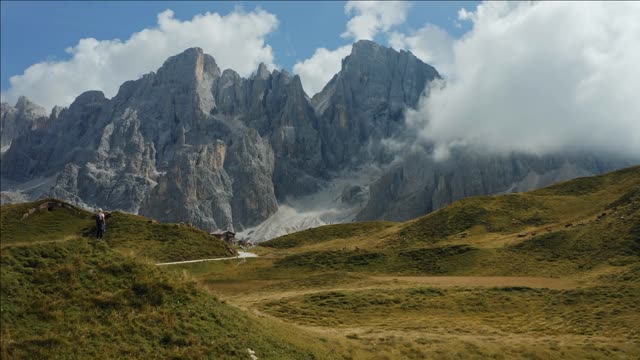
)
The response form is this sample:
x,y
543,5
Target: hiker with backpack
x,y
101,224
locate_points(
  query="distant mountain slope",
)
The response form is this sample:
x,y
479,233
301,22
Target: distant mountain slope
x,y
418,184
568,228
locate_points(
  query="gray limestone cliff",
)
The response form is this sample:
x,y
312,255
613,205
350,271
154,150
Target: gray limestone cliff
x,y
365,103
19,119
161,147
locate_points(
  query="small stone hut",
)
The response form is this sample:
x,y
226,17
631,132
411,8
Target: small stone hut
x,y
228,236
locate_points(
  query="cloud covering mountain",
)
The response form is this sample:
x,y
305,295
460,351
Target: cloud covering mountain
x,y
539,78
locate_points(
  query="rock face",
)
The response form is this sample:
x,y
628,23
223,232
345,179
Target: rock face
x,y
18,120
365,103
417,184
177,145
191,143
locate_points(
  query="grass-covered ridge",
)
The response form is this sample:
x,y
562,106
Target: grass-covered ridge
x,y
162,242
324,233
133,234
80,299
18,225
589,213
568,229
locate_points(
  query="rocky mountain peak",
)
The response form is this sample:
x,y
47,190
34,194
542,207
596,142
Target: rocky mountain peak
x,y
295,87
362,47
27,106
190,64
87,98
262,73
283,74
365,102
55,112
19,120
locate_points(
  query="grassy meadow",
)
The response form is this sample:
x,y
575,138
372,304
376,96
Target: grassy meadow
x,y
553,273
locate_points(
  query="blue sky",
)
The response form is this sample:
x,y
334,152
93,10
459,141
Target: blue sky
x,y
38,31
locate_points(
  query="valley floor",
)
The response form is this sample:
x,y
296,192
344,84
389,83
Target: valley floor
x,y
563,287
416,317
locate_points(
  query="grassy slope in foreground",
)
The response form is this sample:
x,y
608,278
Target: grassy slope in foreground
x,y
132,234
80,299
64,295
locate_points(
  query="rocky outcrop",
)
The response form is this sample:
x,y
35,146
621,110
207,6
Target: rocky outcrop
x,y
276,106
19,119
195,189
251,165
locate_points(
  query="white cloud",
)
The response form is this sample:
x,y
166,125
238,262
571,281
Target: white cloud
x,y
430,44
464,15
235,40
372,17
316,71
539,78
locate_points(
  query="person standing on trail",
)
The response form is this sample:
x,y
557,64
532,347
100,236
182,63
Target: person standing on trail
x,y
101,224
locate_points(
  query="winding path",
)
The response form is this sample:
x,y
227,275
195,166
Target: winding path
x,y
241,255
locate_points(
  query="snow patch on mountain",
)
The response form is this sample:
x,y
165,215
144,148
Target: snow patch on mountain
x,y
327,206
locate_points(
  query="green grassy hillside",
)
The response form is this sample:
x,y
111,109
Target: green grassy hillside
x,y
553,273
564,229
131,234
81,299
64,295
326,233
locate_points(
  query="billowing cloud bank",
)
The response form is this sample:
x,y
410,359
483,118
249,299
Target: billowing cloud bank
x,y
236,40
539,78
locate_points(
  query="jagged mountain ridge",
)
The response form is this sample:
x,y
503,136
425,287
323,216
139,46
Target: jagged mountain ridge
x,y
196,144
192,143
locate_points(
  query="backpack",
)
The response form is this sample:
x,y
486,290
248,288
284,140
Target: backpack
x,y
99,219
